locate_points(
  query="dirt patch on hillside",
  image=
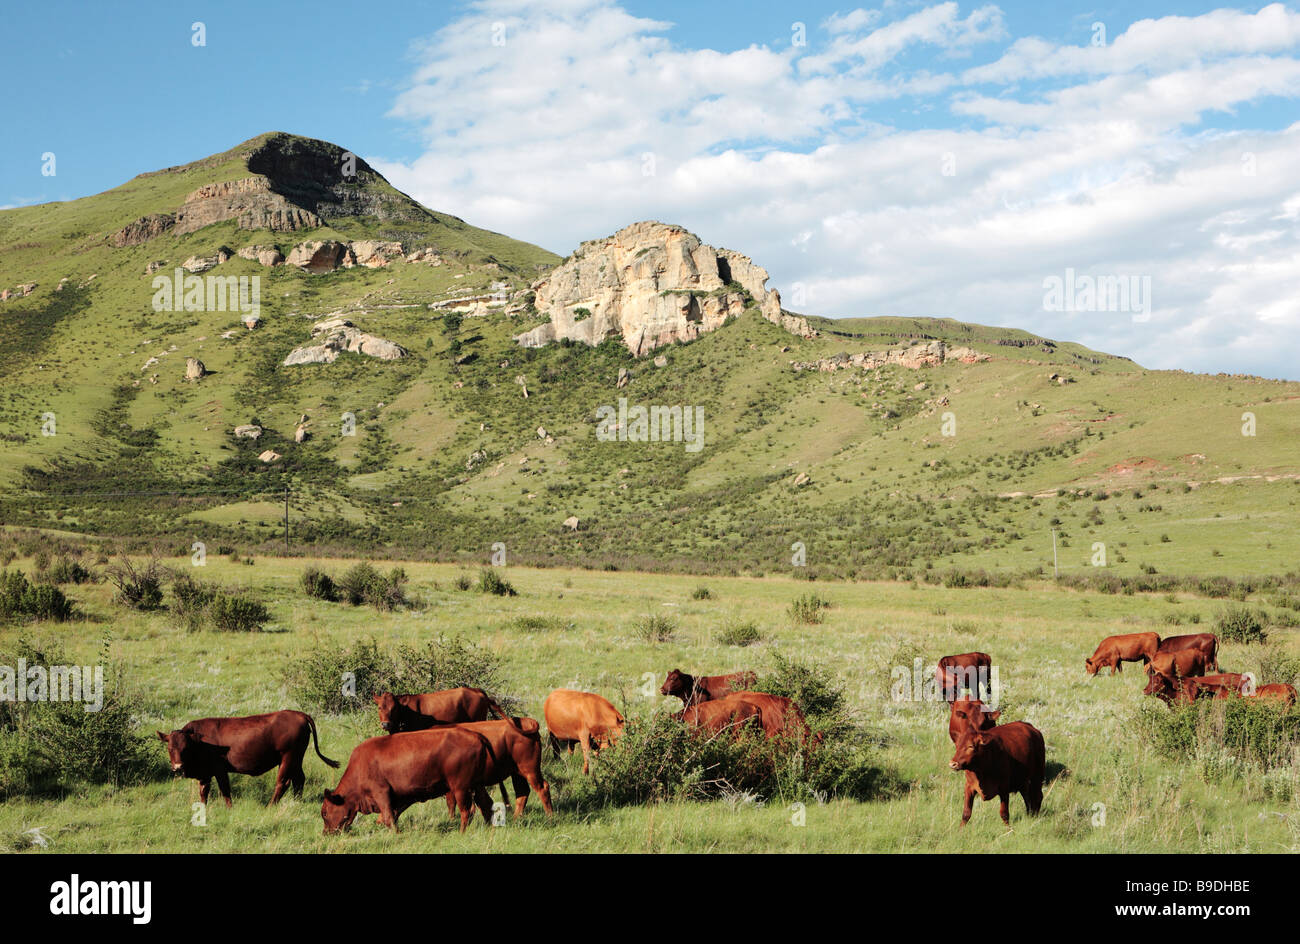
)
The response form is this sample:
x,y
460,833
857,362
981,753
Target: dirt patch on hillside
x,y
1137,465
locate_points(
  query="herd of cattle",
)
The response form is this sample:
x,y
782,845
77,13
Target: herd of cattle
x,y
1011,758
442,744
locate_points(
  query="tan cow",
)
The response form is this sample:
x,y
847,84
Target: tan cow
x,y
581,718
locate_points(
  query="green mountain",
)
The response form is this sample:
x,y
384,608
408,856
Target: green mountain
x,y
877,471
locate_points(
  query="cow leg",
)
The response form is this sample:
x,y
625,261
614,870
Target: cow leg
x,y
223,784
484,802
387,815
543,792
463,801
1004,807
1033,794
967,803
555,745
451,805
204,787
298,778
282,777
586,752
521,793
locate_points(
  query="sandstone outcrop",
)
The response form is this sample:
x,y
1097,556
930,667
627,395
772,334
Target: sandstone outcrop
x,y
336,335
265,255
375,253
914,356
651,284
248,431
318,256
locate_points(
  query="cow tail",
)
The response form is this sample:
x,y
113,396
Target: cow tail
x,y
311,723
501,713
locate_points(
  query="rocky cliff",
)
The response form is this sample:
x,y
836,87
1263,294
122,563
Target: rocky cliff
x,y
651,284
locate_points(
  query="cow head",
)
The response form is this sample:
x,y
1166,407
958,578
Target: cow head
x,y
1090,666
388,705
976,712
971,744
187,752
337,812
678,683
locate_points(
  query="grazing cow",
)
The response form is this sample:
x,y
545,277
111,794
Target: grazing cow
x,y
1275,692
1206,643
517,756
1010,758
389,773
1185,689
217,747
969,667
1113,651
581,718
779,715
1180,662
693,689
418,712
968,711
719,714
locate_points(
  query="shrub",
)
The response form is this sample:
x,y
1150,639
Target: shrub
x,y
655,627
339,679
450,663
537,624
1262,733
234,613
363,583
489,581
1240,624
462,582
812,687
740,634
701,593
190,600
68,570
316,583
19,597
808,608
356,581
140,588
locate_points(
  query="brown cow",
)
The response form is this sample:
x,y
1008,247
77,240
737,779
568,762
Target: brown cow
x,y
216,747
1010,758
971,667
418,712
1180,662
517,756
1185,689
389,773
968,711
719,714
1278,691
780,716
581,718
693,689
1115,650
1207,643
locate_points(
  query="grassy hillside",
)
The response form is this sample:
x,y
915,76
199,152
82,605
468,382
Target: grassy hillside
x,y
447,460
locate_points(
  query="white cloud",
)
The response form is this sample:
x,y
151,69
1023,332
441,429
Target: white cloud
x,y
785,154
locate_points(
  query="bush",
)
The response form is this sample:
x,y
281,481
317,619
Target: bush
x,y
356,581
19,597
489,581
701,593
813,688
655,627
190,600
68,570
234,613
450,663
140,588
462,582
1241,624
1262,733
316,583
362,583
740,634
338,679
808,608
537,624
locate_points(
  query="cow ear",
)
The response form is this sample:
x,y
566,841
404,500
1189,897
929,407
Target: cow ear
x,y
333,798
161,736
375,699
995,715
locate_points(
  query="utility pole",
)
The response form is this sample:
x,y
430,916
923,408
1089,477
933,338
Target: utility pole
x,y
286,518
1056,574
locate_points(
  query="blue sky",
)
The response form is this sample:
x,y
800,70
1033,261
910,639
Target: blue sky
x,y
921,158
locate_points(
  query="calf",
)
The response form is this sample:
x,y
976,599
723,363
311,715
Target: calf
x,y
1113,651
1180,662
779,716
692,689
1206,643
719,714
217,747
418,712
969,667
1275,692
389,773
581,718
517,756
969,711
1010,758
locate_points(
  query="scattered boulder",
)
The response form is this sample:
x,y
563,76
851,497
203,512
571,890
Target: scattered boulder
x,y
375,253
194,369
661,361
623,378
152,267
300,434
248,431
801,480
320,256
263,255
269,456
336,335
571,523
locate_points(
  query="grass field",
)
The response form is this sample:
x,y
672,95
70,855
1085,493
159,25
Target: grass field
x,y
1110,790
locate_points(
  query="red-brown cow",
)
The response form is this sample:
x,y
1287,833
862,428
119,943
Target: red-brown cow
x,y
1278,691
1182,662
418,712
217,747
389,773
967,670
1113,651
1010,758
780,716
1206,643
968,711
719,714
581,718
1186,689
693,689
517,756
